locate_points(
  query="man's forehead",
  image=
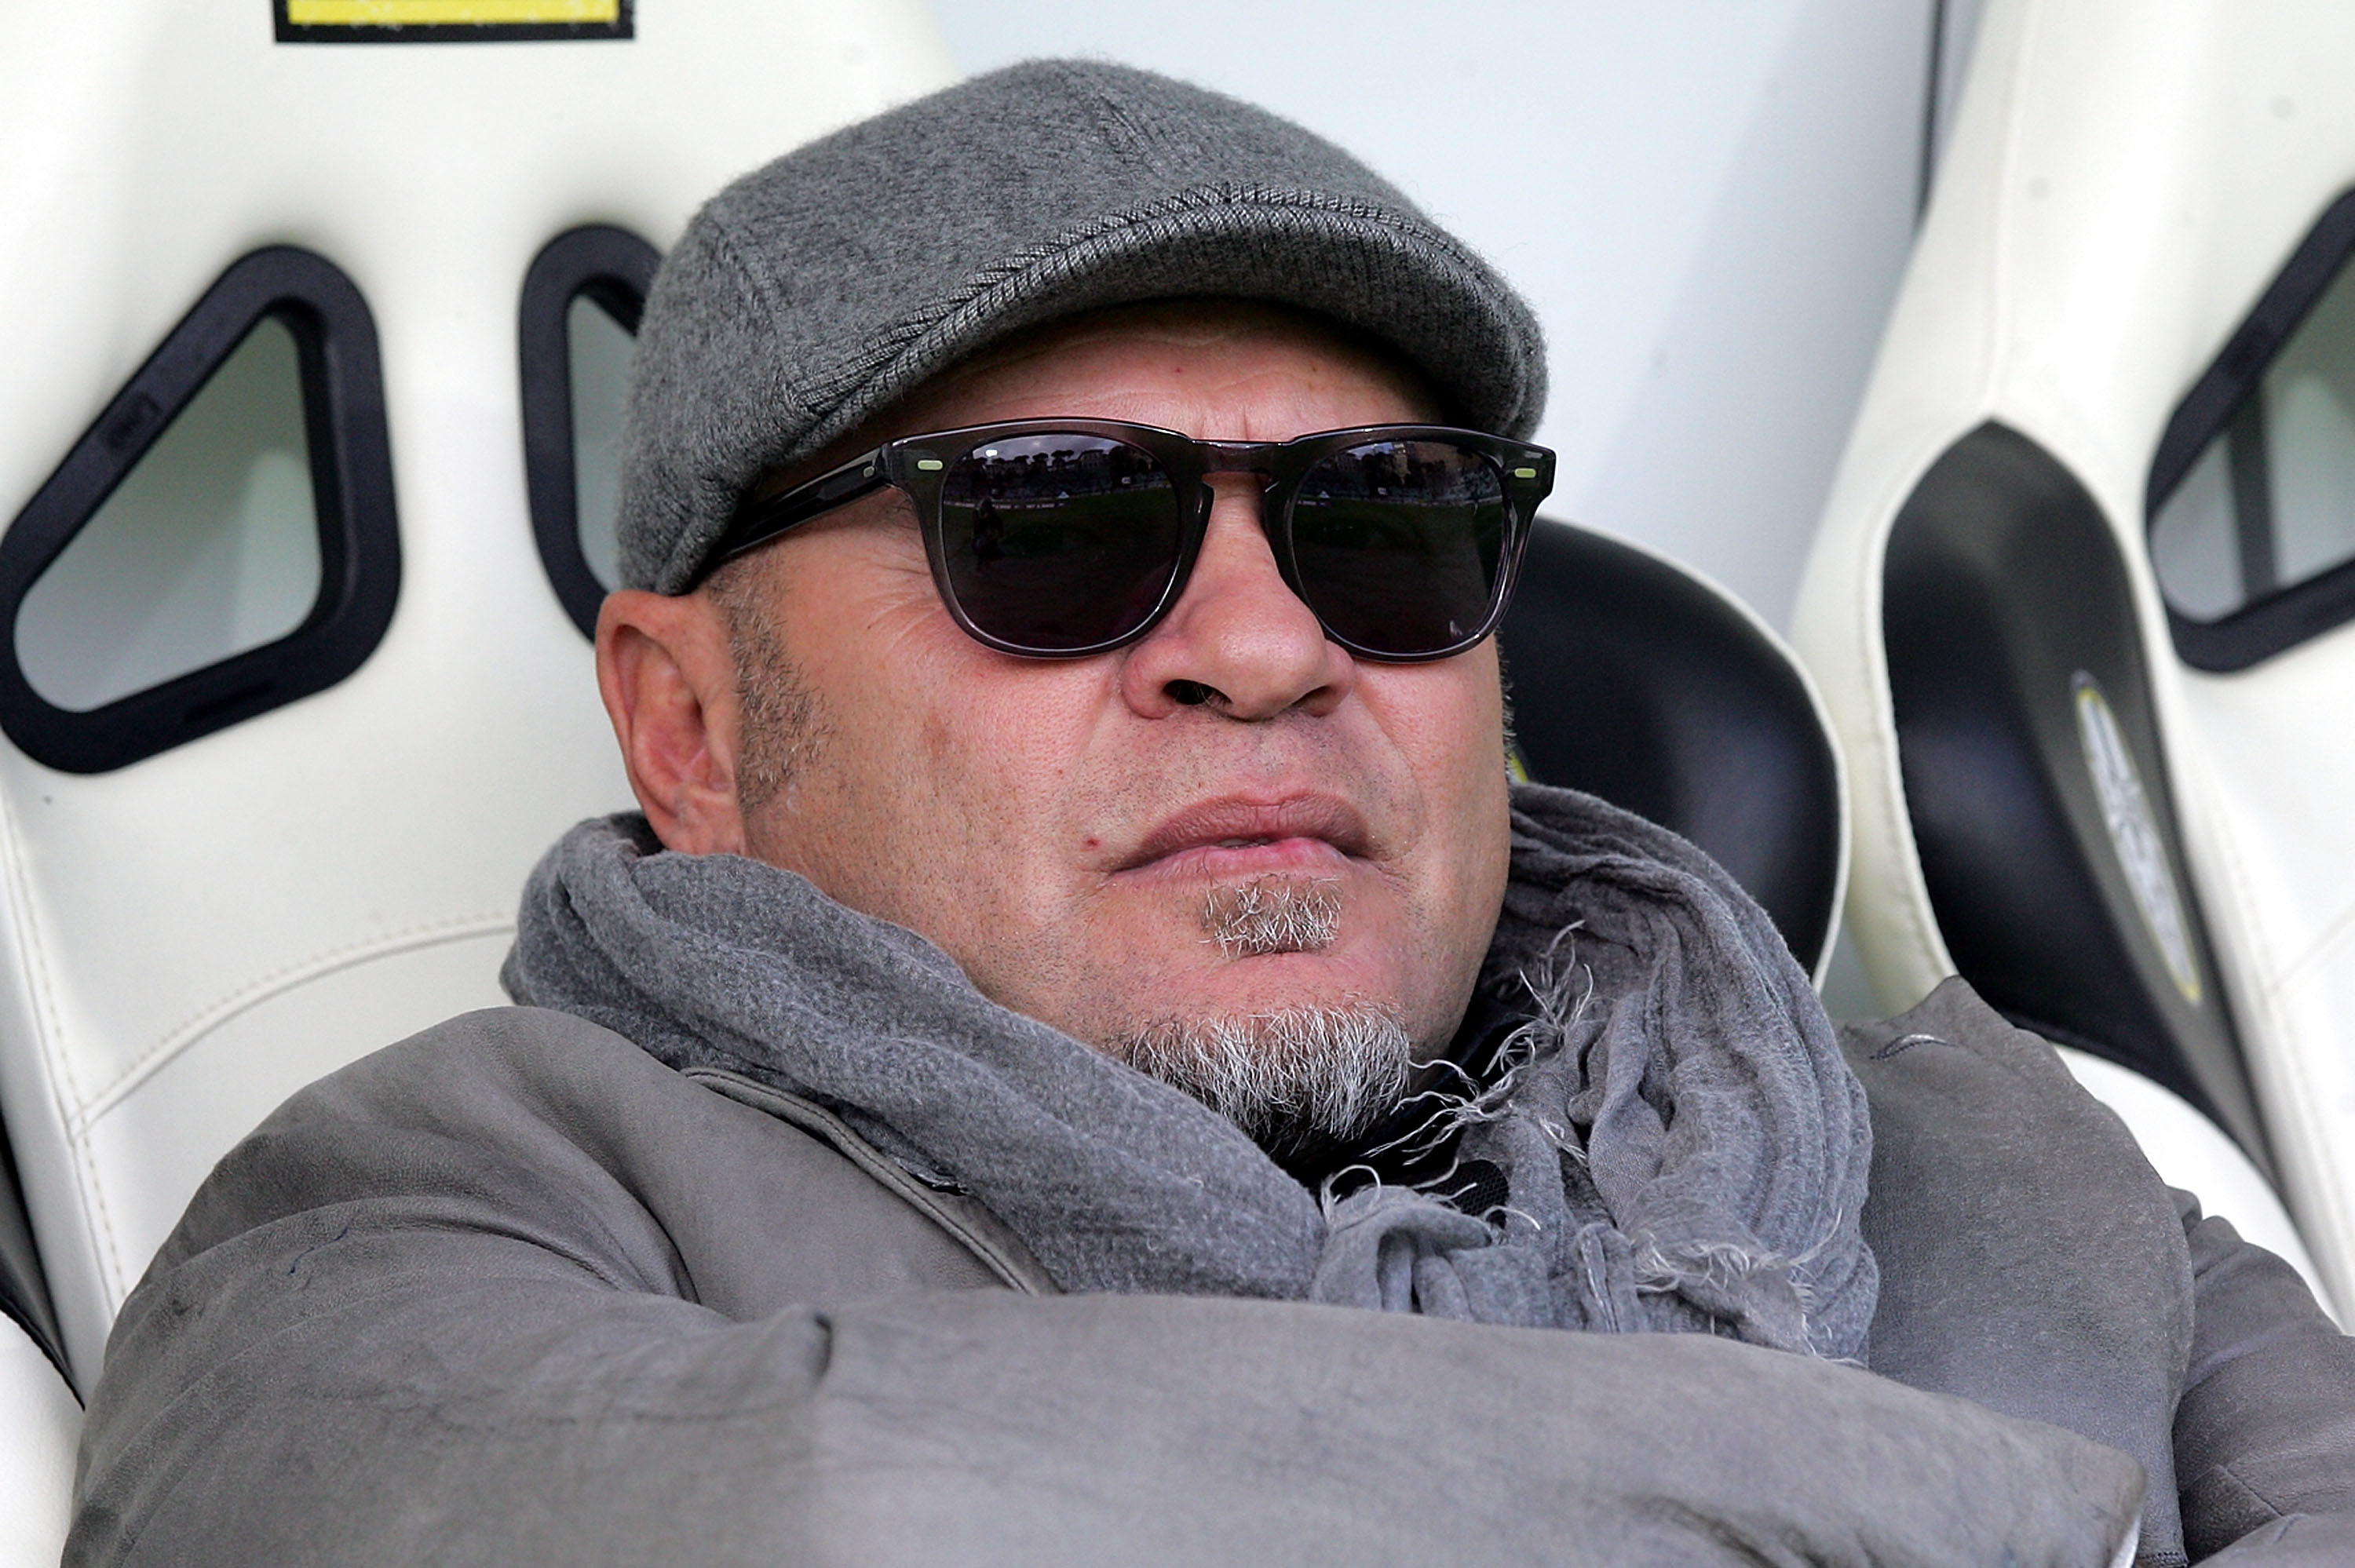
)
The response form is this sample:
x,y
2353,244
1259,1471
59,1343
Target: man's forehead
x,y
1095,353
1095,349
1187,322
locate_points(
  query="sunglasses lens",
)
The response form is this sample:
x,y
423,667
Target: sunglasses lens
x,y
1059,542
1400,545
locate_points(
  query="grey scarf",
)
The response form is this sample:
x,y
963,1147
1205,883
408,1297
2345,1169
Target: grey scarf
x,y
1683,1146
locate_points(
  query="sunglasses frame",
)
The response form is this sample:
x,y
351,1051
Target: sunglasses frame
x,y
919,464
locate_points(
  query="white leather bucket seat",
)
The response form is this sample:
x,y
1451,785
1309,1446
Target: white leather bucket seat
x,y
272,787
2099,731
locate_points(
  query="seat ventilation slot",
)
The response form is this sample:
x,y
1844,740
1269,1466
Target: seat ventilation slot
x,y
220,542
2251,494
579,321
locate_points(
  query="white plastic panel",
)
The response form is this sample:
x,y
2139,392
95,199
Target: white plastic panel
x,y
186,940
2123,180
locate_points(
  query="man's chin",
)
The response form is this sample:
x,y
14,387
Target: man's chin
x,y
1292,1077
1345,975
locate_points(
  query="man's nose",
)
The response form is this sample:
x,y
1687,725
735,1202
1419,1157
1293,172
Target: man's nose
x,y
1240,639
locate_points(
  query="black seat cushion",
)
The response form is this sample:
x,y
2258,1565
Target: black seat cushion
x,y
1634,681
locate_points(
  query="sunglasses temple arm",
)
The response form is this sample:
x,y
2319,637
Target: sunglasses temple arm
x,y
764,519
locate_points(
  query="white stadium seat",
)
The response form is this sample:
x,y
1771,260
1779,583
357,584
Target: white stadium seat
x,y
291,699
2081,603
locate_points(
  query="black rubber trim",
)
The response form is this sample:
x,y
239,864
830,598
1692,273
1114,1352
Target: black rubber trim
x,y
622,27
614,267
351,480
2284,618
2002,581
24,1289
1633,681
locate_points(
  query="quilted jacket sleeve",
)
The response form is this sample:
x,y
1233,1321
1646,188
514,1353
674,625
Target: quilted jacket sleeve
x,y
2264,1435
451,1306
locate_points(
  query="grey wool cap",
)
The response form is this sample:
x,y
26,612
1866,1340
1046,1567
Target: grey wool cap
x,y
813,293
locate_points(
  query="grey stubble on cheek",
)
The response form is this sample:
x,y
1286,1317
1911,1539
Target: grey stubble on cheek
x,y
781,721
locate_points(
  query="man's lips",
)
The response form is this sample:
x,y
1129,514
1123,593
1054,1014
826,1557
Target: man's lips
x,y
1236,835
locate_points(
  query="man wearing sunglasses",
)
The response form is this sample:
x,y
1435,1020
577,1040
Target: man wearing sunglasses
x,y
1190,746
1084,1057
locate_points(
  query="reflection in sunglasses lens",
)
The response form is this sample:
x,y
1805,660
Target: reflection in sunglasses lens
x,y
1398,544
1059,542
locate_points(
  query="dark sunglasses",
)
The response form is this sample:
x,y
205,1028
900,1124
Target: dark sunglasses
x,y
1059,538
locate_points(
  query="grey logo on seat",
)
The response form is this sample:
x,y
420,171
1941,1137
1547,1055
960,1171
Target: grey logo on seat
x,y
2133,833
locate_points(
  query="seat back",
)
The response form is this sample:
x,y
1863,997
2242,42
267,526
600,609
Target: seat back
x,y
1640,681
260,414
2095,714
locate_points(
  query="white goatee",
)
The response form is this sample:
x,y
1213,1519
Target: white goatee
x,y
1288,1075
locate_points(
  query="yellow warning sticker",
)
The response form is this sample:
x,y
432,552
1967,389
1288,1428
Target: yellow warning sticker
x,y
397,21
443,12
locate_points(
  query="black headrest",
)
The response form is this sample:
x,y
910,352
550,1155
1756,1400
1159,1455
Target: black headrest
x,y
1634,679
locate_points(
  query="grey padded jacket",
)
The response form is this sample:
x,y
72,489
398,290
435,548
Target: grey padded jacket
x,y
512,1291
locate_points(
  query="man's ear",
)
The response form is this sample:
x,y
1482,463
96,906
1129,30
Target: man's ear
x,y
667,674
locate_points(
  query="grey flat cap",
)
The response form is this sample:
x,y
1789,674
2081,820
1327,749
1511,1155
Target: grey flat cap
x,y
810,294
